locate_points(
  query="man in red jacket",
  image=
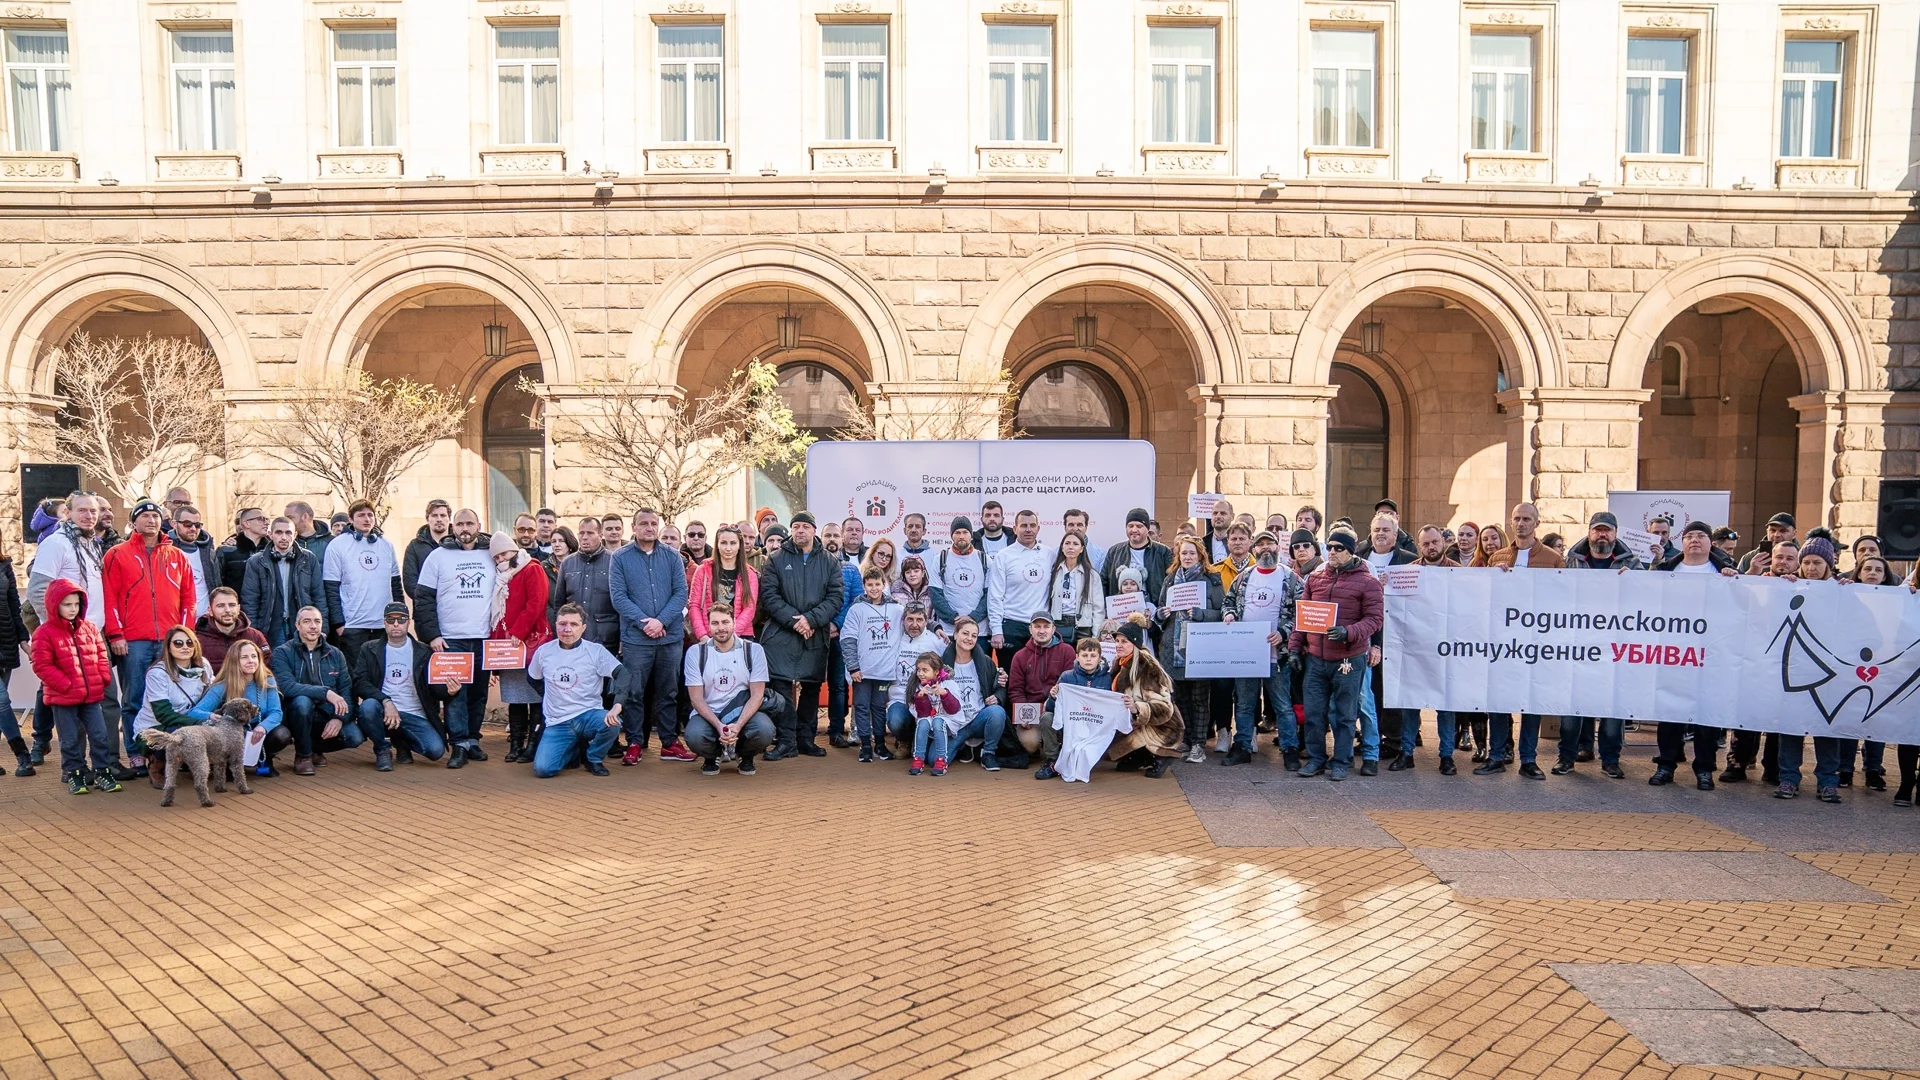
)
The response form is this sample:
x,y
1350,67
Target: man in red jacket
x,y
149,590
1031,677
1338,660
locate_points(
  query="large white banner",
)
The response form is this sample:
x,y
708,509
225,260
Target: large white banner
x,y
1762,654
882,482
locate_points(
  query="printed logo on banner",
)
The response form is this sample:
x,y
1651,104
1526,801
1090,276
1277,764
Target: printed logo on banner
x,y
1808,665
877,504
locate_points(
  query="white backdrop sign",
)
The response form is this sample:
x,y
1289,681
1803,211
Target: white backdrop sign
x,y
1762,654
882,482
1636,508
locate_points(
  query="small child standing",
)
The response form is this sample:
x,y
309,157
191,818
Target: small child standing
x,y
870,642
1088,670
936,711
70,659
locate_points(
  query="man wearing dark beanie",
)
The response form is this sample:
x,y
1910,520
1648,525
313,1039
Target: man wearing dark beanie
x,y
800,593
1140,551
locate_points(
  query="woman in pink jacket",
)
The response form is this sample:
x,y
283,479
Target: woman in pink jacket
x,y
724,579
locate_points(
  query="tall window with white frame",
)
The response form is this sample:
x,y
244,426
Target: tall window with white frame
x,y
692,83
1502,91
1810,99
1344,74
39,90
203,89
1657,95
527,83
853,61
1185,82
1020,83
366,74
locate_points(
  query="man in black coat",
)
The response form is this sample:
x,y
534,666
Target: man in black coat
x,y
381,688
250,536
584,579
1141,550
278,581
435,532
800,593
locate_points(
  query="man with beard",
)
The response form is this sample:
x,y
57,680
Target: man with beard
x,y
992,536
1780,527
648,583
190,536
959,578
1336,667
452,604
1266,592
1601,550
1213,542
1433,552
1140,551
439,526
585,579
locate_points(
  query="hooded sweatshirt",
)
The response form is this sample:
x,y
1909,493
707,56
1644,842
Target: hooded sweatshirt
x,y
70,655
870,638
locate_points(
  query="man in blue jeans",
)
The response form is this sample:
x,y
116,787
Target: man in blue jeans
x,y
1338,661
648,586
1828,754
1265,592
727,681
571,671
390,679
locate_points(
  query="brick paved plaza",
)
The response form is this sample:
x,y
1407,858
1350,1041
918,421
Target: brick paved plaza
x,y
833,919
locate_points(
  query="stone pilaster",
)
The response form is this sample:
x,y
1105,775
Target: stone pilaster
x,y
1844,451
1264,444
26,435
1567,447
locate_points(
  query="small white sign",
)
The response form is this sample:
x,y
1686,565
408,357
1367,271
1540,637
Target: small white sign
x,y
1121,605
1189,594
1201,505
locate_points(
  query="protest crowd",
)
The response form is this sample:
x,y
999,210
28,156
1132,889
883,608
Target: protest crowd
x,y
721,646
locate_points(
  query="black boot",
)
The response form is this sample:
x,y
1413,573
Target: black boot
x,y
23,755
516,738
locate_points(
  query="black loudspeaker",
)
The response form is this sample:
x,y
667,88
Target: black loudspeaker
x,y
1899,525
43,482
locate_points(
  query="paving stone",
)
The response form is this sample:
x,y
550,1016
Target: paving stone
x,y
1640,986
1781,988
1894,991
1709,1037
1850,1040
1652,875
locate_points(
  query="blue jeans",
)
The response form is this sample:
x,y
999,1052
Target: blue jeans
x,y
78,722
9,723
837,686
1410,729
563,737
930,733
133,679
1369,716
900,723
1502,725
414,729
1827,756
1333,700
468,708
987,725
1278,688
1574,732
755,735
869,709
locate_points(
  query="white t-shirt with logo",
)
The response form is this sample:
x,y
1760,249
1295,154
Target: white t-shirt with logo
x,y
1379,561
572,677
397,681
1520,555
966,687
365,570
910,650
1016,584
728,673
962,580
462,584
1264,598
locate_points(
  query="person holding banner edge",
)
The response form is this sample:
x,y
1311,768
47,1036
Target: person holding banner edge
x,y
1525,550
1266,592
1333,679
1696,557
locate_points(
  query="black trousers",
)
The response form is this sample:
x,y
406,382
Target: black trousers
x,y
1194,698
1673,747
800,721
1741,750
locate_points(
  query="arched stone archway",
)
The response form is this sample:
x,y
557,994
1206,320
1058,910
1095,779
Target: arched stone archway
x,y
356,306
45,309
710,280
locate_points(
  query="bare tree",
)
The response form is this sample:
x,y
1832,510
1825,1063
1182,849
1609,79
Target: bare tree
x,y
357,434
671,455
967,411
142,414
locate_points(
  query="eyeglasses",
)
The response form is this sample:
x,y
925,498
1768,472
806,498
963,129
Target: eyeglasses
x,y
696,536
179,643
396,620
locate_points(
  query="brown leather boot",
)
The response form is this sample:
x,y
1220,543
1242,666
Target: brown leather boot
x,y
303,766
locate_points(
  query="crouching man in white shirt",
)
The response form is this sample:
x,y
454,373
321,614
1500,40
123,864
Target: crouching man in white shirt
x,y
571,670
726,679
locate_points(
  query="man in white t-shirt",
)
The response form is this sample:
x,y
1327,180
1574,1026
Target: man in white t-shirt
x,y
452,602
959,578
726,679
570,669
361,576
1017,578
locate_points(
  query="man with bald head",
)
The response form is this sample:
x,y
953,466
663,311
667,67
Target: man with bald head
x,y
1524,551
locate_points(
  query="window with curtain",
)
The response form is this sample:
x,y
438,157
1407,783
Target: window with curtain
x,y
39,90
691,81
1810,99
1020,83
1183,82
853,60
1656,95
365,73
1343,87
527,77
203,89
1502,91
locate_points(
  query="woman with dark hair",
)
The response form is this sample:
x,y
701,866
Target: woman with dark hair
x,y
1075,596
1192,697
518,612
723,578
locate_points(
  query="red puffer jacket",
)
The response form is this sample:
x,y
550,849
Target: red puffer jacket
x,y
526,617
1358,593
70,655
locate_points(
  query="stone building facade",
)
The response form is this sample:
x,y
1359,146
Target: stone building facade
x,y
1288,323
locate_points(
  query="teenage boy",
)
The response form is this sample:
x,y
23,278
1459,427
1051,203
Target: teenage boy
x,y
870,642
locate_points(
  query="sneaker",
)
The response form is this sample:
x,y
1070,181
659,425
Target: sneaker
x,y
1159,767
746,767
383,761
1308,770
634,753
841,742
137,763
120,772
919,766
1830,794
1224,743
1562,767
598,768
1787,791
1661,777
1237,755
710,767
866,753
1045,772
939,766
103,780
1612,772
77,783
1336,774
1876,781
677,752
964,754
37,753
1846,779
881,753
989,763
1197,753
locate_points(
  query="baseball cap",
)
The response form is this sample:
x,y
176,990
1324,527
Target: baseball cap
x,y
1782,518
395,608
1604,517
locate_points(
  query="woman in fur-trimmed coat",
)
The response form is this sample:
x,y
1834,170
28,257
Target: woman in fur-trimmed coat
x,y
1157,727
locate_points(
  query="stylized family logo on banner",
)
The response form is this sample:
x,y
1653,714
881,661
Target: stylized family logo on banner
x,y
1761,654
882,482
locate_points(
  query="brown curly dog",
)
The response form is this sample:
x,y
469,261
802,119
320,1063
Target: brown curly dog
x,y
212,747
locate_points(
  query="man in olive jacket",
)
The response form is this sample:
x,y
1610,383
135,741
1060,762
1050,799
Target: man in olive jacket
x,y
800,593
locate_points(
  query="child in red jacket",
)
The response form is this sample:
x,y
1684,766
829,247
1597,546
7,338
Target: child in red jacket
x,y
70,659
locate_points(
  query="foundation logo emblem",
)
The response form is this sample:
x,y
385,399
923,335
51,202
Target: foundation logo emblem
x,y
878,505
1838,687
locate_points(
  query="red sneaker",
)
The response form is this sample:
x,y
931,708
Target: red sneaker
x,y
677,752
939,766
919,766
633,755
